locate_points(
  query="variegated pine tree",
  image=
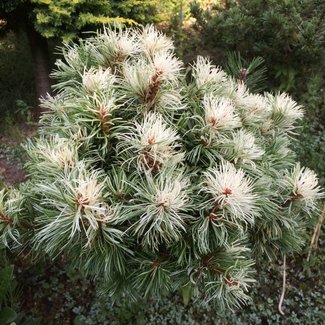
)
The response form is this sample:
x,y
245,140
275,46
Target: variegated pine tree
x,y
153,178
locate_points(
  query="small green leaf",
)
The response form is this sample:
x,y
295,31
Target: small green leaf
x,y
186,293
78,321
7,315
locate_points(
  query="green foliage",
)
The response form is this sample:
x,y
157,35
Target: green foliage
x,y
140,11
289,35
7,316
310,148
65,18
151,180
252,73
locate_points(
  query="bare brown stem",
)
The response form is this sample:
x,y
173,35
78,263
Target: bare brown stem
x,y
316,234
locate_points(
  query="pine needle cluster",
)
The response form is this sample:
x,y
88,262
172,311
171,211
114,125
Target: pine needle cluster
x,y
152,178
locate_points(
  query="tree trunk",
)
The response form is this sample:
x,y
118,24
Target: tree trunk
x,y
41,65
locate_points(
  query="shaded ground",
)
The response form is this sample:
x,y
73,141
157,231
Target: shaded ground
x,y
11,173
49,292
12,154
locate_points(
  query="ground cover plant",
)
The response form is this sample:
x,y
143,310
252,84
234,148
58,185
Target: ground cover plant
x,y
152,178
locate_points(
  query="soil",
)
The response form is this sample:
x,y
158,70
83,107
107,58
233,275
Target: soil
x,y
11,172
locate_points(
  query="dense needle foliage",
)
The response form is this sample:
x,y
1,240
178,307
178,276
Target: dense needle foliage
x,y
288,34
153,178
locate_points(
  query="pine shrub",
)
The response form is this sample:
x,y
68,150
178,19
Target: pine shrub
x,y
152,178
